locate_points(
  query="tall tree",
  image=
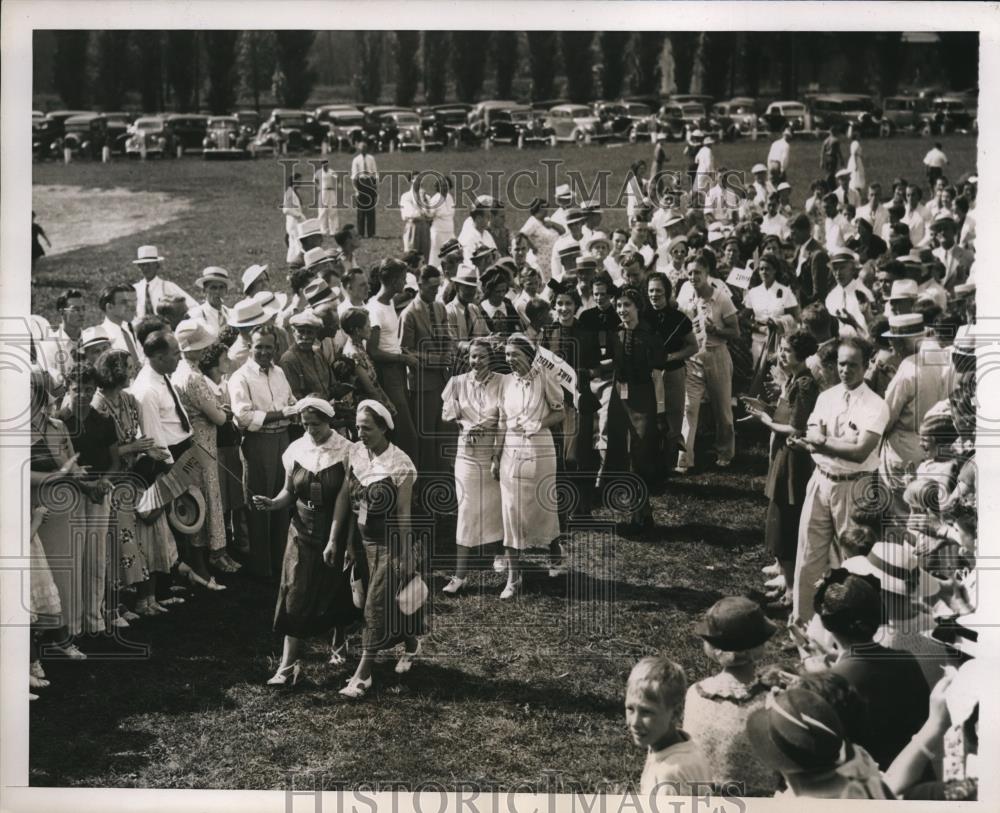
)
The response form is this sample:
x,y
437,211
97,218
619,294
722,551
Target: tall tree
x,y
368,61
890,61
578,62
70,73
720,46
645,68
147,47
685,46
505,59
613,45
468,62
112,69
407,75
220,64
291,50
181,55
959,52
255,63
435,50
542,49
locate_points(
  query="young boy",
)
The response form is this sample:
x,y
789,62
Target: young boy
x,y
654,708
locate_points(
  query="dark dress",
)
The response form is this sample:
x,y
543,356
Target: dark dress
x,y
790,469
313,597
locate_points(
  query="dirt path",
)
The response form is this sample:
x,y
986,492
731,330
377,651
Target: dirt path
x,y
75,217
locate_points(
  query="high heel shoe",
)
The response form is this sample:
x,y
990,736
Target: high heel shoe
x,y
406,661
338,655
511,590
453,586
210,584
356,688
286,675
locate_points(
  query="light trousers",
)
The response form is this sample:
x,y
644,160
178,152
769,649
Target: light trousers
x,y
711,372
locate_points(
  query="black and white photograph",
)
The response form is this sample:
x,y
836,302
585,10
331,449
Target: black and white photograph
x,y
579,404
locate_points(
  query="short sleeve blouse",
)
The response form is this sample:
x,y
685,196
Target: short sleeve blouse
x,y
393,463
315,457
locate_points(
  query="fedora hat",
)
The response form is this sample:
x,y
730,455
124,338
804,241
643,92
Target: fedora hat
x,y
247,313
585,261
251,275
758,168
734,624
563,192
317,292
450,247
596,238
270,301
213,274
147,254
93,336
187,511
467,275
315,256
575,215
192,335
798,732
843,255
308,228
904,289
905,326
306,318
481,251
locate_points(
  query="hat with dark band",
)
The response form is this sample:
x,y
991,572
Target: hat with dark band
x,y
575,215
449,248
734,624
905,326
798,732
213,274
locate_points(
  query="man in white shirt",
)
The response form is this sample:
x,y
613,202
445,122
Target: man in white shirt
x,y
564,202
849,301
774,222
916,216
762,188
212,313
416,217
846,194
873,211
364,176
151,289
327,185
935,161
723,203
474,232
57,349
704,161
164,418
575,220
836,229
261,399
777,156
956,260
843,436
117,302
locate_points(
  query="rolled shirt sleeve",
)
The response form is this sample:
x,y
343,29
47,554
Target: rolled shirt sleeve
x,y
246,416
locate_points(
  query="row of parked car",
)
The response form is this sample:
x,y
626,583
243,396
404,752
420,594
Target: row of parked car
x,y
244,134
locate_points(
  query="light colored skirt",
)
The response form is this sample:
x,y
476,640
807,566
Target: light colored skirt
x,y
528,491
480,518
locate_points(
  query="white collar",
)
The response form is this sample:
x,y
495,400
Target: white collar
x,y
316,458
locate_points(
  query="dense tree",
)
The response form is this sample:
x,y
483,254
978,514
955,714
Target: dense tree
x,y
613,46
505,59
578,63
255,63
468,62
112,75
684,45
220,63
960,56
542,49
645,67
147,48
182,49
291,50
368,74
720,48
407,75
435,52
69,74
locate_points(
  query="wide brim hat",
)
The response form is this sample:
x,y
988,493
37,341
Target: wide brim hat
x,y
467,275
308,228
92,336
904,289
305,318
193,335
315,256
251,275
758,168
187,511
247,313
214,274
575,215
481,251
271,301
798,732
317,292
147,254
734,624
905,326
596,238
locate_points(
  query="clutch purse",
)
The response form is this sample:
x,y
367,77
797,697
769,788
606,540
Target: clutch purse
x,y
357,588
412,597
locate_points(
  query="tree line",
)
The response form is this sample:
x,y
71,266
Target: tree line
x,y
214,70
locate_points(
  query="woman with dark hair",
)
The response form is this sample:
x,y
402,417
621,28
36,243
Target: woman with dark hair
x,y
524,460
632,414
768,303
472,400
542,233
791,467
357,325
501,316
314,595
381,490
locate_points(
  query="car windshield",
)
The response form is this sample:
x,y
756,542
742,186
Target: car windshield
x,y
344,120
407,119
520,115
452,116
224,122
672,112
693,109
293,121
637,109
792,109
865,105
149,125
580,112
948,105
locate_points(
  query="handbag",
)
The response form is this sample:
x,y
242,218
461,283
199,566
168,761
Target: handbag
x,y
413,595
357,587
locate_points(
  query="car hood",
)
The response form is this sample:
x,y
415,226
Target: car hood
x,y
586,119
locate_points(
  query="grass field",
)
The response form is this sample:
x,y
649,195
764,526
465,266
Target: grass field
x,y
508,691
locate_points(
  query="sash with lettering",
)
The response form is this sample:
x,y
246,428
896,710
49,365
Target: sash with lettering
x,y
563,372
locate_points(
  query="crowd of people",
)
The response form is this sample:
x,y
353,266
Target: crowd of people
x,y
541,373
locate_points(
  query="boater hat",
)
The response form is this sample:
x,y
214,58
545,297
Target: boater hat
x,y
905,326
213,274
270,301
93,336
192,335
467,275
247,313
187,511
147,254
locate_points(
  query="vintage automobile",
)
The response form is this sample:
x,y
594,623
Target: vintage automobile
x,y
293,130
47,138
323,112
42,135
225,140
450,121
344,128
621,117
844,110
479,117
697,98
949,114
149,135
518,126
782,114
118,123
403,130
903,114
576,123
378,133
189,130
737,116
249,122
669,120
85,135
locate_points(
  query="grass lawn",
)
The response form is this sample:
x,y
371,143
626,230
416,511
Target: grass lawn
x,y
508,691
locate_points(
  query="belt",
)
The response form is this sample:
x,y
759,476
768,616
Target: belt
x,y
842,478
272,429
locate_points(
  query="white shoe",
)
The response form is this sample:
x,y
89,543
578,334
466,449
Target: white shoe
x,y
356,688
452,587
36,670
32,696
557,571
118,621
777,583
499,563
128,615
406,661
681,469
37,682
72,652
511,590
171,600
771,570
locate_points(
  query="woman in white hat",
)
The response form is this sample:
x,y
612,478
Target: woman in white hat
x,y
207,412
381,491
314,596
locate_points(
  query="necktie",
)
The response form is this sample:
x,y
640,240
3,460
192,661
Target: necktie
x,y
463,330
185,424
130,343
150,308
